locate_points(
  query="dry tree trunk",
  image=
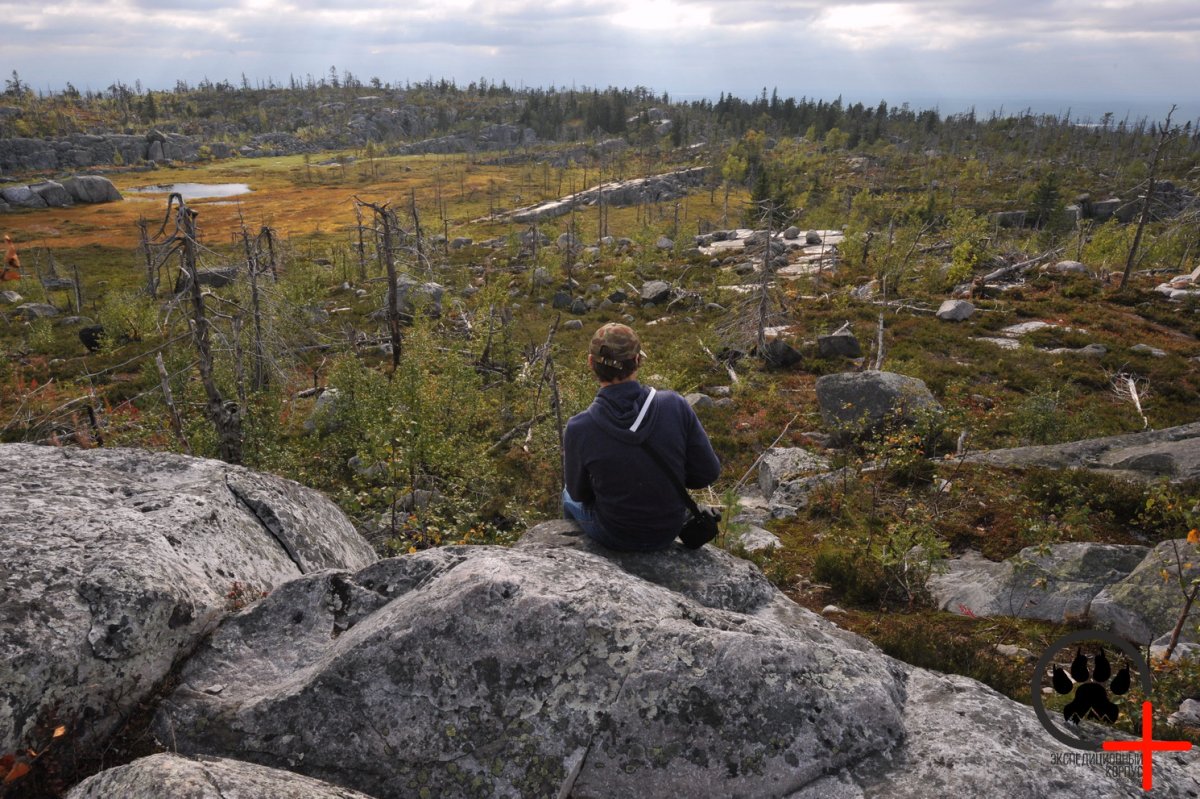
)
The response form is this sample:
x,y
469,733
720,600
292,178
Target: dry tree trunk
x,y
1165,134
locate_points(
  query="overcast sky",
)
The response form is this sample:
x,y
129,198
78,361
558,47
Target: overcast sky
x,y
1049,54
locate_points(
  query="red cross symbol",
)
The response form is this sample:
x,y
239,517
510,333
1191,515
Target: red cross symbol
x,y
1147,746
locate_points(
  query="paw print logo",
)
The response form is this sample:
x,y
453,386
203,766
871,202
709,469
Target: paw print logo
x,y
1091,696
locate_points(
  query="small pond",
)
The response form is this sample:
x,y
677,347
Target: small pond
x,y
195,191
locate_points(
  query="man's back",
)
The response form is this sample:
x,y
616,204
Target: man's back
x,y
606,466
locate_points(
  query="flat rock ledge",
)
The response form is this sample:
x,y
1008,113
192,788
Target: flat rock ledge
x,y
555,668
1172,453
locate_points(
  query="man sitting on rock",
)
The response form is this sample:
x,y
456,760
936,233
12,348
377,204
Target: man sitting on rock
x,y
614,488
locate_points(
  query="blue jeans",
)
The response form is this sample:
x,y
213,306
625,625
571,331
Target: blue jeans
x,y
585,516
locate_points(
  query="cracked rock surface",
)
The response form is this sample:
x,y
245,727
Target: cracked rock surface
x,y
556,668
115,562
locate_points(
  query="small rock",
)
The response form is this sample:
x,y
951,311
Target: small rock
x,y
656,291
1069,267
10,297
573,324
756,539
955,310
562,300
36,310
1009,650
839,345
812,237
664,243
792,232
1146,349
697,400
828,609
1188,714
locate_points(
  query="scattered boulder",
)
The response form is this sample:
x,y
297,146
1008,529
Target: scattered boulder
x,y
699,401
170,776
92,189
52,193
1008,219
757,540
10,297
1188,714
116,562
858,403
812,237
955,311
1068,268
561,300
322,416
839,345
22,197
1146,349
792,233
778,353
780,465
92,337
664,243
656,291
36,310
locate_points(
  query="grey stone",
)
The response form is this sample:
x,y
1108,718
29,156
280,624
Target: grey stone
x,y
52,193
1069,267
1143,606
170,776
656,291
323,412
784,464
839,345
559,668
698,400
955,310
10,297
579,306
1008,218
22,197
568,241
755,539
542,277
1146,349
858,402
791,233
664,243
460,242
812,237
573,324
36,310
561,300
116,562
1058,586
779,353
1188,714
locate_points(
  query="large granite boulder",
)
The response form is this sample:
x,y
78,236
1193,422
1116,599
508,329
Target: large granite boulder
x,y
853,403
169,776
781,465
559,669
114,563
92,189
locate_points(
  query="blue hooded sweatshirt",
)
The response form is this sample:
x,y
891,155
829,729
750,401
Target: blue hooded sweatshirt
x,y
607,469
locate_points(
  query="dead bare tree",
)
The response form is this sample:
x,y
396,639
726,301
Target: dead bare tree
x,y
1164,134
385,221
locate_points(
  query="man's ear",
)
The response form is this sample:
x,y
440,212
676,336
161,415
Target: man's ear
x,y
591,362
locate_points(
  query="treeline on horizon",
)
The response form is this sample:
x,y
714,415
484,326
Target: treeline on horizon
x,y
229,111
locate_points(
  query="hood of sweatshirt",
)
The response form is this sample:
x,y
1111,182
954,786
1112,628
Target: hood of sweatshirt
x,y
616,408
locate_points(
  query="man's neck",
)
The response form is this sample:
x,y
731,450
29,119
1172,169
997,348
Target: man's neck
x,y
630,379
